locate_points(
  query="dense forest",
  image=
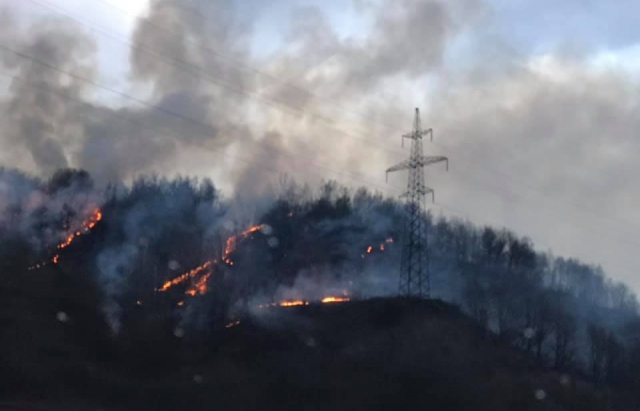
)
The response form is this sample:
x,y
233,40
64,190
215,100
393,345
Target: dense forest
x,y
138,279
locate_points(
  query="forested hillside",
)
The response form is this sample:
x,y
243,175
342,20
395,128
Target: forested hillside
x,y
138,282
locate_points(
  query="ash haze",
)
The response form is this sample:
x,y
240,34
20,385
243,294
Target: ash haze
x,y
534,102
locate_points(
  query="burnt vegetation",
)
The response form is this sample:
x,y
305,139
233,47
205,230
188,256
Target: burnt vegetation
x,y
509,327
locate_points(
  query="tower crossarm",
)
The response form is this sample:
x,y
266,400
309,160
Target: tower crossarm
x,y
422,161
417,134
422,191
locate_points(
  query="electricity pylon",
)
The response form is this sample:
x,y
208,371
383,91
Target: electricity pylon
x,y
414,269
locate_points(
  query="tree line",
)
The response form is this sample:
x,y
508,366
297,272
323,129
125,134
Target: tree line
x,y
100,304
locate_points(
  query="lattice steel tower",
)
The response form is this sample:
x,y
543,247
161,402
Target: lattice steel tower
x,y
414,269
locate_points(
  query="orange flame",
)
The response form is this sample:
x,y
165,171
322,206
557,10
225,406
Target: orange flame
x,y
332,299
95,217
297,303
86,226
369,249
186,276
233,241
293,303
200,287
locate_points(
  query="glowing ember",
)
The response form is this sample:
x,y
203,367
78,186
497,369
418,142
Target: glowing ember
x,y
331,299
233,241
293,303
381,247
297,303
186,276
86,226
369,249
200,287
389,240
232,324
180,303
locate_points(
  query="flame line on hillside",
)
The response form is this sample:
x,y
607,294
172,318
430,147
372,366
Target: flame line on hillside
x,y
330,299
85,228
200,287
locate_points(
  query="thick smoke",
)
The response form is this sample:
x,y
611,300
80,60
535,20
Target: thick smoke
x,y
194,58
488,94
37,119
45,212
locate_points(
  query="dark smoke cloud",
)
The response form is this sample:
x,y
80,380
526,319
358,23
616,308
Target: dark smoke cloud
x,y
570,124
35,118
189,55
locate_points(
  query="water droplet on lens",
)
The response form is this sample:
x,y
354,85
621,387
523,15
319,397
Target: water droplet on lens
x,y
529,333
273,242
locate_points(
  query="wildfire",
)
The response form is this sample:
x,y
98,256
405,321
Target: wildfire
x,y
186,276
233,241
86,226
381,247
331,300
293,303
285,303
200,286
297,303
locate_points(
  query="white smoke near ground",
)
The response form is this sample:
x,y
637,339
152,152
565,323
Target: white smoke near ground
x,y
45,213
207,93
115,265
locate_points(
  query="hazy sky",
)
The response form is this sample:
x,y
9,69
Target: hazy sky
x,y
535,102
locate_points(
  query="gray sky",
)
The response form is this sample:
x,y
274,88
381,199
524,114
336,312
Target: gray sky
x,y
535,102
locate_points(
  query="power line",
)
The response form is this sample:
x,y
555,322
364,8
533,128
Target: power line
x,y
527,185
478,221
140,101
301,113
243,65
296,112
264,166
165,111
307,162
189,68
